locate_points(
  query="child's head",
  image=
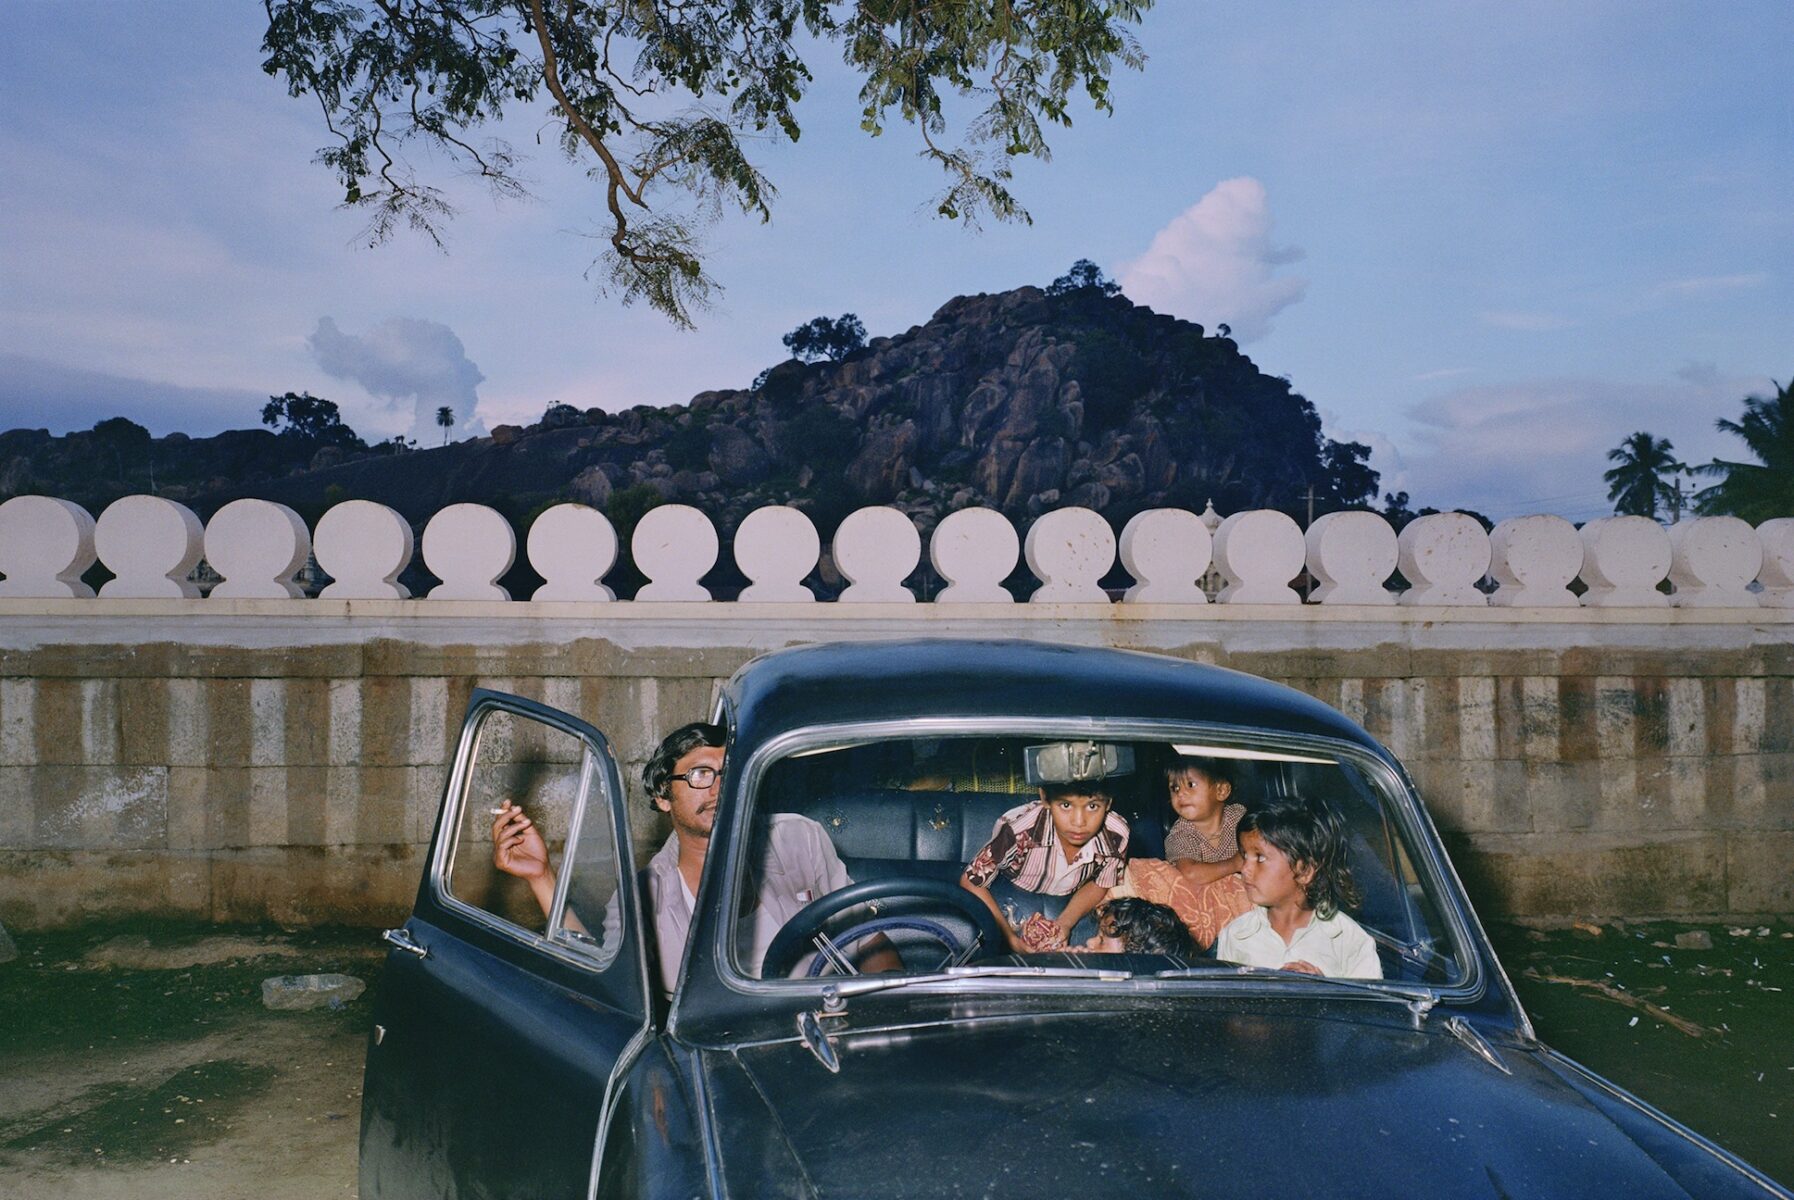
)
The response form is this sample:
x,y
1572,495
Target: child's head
x,y
1136,926
1199,787
1295,850
1078,809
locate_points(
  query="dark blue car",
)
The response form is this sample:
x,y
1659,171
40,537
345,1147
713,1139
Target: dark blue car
x,y
527,1047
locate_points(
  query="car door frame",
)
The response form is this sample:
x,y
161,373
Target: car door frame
x,y
537,963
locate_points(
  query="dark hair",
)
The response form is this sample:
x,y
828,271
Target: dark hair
x,y
657,774
1146,928
1098,788
1310,833
1215,770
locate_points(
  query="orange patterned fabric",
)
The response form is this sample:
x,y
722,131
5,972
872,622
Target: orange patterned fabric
x,y
1204,909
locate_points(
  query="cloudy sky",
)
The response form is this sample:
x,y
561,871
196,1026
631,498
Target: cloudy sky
x,y
1490,239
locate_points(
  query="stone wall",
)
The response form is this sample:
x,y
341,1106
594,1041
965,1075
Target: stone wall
x,y
248,759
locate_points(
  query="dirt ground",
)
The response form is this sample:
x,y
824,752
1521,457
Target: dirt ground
x,y
139,1061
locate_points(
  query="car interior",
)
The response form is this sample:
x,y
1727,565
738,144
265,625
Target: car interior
x,y
922,808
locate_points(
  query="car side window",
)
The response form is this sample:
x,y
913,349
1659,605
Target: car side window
x,y
548,773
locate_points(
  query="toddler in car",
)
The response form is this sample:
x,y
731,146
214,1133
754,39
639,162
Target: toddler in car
x,y
1297,879
1203,841
1134,926
1069,842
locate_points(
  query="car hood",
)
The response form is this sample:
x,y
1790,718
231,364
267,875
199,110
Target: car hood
x,y
1182,1103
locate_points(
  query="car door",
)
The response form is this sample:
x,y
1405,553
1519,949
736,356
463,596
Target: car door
x,y
502,1030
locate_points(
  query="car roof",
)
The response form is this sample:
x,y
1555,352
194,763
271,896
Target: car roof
x,y
879,681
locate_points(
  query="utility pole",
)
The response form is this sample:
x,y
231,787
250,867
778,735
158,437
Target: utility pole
x,y
1310,499
1675,504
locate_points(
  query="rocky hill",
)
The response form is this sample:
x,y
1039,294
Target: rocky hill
x,y
1022,401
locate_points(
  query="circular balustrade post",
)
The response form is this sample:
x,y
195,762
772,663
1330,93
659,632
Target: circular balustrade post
x,y
875,550
1070,550
46,545
1777,575
1713,562
1351,556
572,547
1259,553
1166,550
257,546
468,546
1623,561
1534,559
363,547
776,547
974,550
1443,556
674,545
150,544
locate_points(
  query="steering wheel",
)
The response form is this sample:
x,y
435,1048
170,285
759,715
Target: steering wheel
x,y
794,940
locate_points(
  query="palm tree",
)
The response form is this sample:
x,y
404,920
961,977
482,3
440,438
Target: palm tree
x,y
445,417
1637,486
1764,489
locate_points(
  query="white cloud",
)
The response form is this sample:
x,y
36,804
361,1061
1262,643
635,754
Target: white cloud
x,y
1214,263
406,359
1541,445
1707,285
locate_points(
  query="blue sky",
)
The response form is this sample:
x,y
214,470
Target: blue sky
x,y
1491,239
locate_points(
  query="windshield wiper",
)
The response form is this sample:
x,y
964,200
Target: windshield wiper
x,y
1419,1002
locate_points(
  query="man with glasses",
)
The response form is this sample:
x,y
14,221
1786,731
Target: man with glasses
x,y
797,862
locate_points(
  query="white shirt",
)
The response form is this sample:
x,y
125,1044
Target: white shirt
x,y
800,866
1337,945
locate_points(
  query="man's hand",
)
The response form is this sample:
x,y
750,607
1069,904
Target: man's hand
x,y
517,845
1302,967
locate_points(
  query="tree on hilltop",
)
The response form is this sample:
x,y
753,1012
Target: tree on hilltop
x,y
445,417
303,415
820,338
1637,485
658,98
1762,490
1083,274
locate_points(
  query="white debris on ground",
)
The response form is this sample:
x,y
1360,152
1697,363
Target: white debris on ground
x,y
297,992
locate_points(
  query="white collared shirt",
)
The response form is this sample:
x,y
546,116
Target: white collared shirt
x,y
1337,945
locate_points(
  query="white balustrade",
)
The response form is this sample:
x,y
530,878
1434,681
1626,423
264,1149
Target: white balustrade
x,y
46,545
1259,553
258,546
875,550
777,547
1534,559
1351,556
363,547
1713,561
1444,556
1166,550
674,546
1069,550
150,544
1623,561
572,547
974,550
468,546
1777,574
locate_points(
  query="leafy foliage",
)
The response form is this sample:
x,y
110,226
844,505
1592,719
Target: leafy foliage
x,y
1083,274
1637,485
822,338
310,418
445,417
659,98
1762,490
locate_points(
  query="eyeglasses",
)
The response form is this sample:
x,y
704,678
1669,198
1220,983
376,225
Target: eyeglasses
x,y
700,779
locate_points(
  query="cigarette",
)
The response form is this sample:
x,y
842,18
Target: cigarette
x,y
499,811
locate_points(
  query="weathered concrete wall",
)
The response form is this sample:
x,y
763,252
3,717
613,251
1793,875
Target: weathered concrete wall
x,y
247,759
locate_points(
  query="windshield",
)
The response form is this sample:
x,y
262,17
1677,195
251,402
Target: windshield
x,y
1187,857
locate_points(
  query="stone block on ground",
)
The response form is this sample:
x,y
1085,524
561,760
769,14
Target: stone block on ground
x,y
299,992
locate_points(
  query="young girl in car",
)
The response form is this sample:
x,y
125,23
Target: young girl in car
x,y
1203,841
1296,877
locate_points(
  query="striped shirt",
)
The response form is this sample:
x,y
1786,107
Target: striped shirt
x,y
1024,848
